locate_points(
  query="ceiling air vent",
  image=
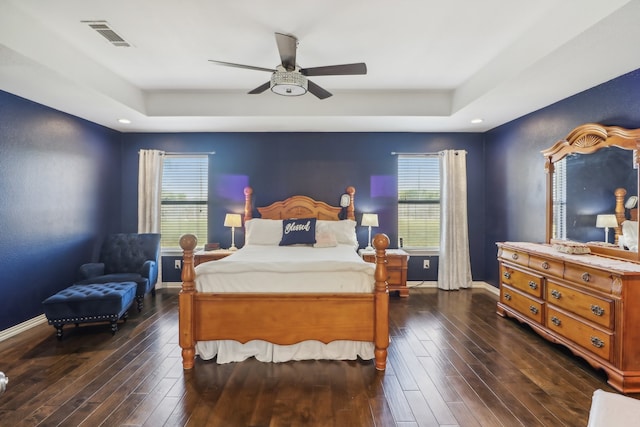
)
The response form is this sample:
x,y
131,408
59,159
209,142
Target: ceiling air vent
x,y
102,27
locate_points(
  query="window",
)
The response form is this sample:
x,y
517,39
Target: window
x,y
419,201
184,205
559,200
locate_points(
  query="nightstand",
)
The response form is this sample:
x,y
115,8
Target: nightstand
x,y
205,256
397,261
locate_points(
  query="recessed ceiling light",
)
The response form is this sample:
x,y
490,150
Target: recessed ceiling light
x,y
124,121
476,121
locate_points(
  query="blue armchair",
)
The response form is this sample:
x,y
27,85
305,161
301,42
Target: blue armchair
x,y
126,258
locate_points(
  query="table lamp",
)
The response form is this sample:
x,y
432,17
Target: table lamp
x,y
233,221
606,221
369,220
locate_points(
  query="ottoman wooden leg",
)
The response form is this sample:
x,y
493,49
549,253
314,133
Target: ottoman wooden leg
x,y
58,327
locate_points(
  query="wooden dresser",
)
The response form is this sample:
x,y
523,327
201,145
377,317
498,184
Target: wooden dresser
x,y
588,303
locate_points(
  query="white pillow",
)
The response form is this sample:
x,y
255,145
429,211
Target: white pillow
x,y
260,231
325,239
344,230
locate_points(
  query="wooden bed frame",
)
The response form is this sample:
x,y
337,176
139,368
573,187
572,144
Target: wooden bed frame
x,y
620,212
285,318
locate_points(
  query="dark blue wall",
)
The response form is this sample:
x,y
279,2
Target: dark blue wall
x,y
60,186
66,182
515,167
321,165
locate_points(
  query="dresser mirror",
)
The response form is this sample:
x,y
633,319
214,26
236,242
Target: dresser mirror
x,y
583,172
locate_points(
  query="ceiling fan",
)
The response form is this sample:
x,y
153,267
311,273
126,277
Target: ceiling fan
x,y
289,79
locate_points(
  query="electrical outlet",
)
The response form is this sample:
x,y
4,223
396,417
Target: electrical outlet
x,y
177,264
426,264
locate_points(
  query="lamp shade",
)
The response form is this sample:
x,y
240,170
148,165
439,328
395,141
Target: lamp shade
x,y
233,220
370,220
606,220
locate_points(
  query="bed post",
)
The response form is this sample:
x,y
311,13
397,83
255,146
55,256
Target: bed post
x,y
248,214
351,191
381,338
619,211
188,243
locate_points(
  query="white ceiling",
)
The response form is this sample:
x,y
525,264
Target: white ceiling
x,y
432,65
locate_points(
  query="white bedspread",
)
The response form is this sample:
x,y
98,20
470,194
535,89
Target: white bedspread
x,y
257,268
287,269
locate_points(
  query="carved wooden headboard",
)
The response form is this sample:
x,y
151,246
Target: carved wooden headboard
x,y
299,207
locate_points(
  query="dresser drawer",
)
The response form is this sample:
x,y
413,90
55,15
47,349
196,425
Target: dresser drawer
x,y
595,340
595,309
521,303
546,266
395,277
514,257
395,261
518,279
598,279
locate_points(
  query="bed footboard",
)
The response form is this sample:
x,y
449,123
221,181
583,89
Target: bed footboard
x,y
283,318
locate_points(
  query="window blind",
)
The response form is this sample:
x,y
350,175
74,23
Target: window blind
x,y
184,204
559,230
419,200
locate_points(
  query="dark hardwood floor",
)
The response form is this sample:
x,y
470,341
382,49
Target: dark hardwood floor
x,y
452,362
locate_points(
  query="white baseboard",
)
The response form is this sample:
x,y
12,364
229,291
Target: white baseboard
x,y
487,287
21,327
15,330
172,285
434,284
421,284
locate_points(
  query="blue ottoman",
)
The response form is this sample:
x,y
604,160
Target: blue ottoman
x,y
103,302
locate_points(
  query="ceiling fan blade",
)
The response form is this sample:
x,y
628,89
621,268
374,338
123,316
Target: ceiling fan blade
x,y
248,67
336,70
260,88
287,47
317,90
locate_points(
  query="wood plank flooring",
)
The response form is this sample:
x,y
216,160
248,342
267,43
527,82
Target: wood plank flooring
x,y
452,362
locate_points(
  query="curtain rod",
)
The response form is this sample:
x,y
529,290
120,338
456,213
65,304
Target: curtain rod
x,y
186,153
190,153
393,153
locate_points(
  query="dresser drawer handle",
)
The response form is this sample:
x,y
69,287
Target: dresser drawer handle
x,y
514,256
555,321
586,277
533,285
507,297
545,265
533,309
556,294
506,275
597,342
597,310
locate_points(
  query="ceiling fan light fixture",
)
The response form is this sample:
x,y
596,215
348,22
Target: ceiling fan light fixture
x,y
288,83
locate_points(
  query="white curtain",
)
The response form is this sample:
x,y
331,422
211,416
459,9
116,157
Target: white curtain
x,y
454,266
149,190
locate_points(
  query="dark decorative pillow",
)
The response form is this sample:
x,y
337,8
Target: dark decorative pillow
x,y
298,231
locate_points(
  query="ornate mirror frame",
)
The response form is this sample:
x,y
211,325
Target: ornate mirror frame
x,y
587,139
